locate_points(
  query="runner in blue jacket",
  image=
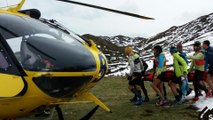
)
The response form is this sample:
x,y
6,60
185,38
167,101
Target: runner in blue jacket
x,y
209,62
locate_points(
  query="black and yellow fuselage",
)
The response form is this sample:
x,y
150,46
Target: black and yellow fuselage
x,y
43,65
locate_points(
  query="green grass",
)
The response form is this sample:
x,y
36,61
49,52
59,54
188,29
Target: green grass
x,y
113,92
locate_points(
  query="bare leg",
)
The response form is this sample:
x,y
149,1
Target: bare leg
x,y
154,85
173,88
210,81
161,88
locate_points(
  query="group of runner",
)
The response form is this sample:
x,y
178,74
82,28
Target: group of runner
x,y
202,60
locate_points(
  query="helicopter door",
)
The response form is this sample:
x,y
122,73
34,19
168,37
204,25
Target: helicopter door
x,y
11,74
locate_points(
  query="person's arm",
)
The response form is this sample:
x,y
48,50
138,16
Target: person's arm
x,y
206,62
191,66
141,65
182,61
184,55
196,57
209,55
132,65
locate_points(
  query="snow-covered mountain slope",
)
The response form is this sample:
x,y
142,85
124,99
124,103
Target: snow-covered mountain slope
x,y
199,29
121,40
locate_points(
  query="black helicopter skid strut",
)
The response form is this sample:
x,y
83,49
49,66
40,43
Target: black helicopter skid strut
x,y
86,117
90,114
59,112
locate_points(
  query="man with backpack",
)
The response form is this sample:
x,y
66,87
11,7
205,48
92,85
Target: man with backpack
x,y
134,77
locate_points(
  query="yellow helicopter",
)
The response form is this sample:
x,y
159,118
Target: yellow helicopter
x,y
44,65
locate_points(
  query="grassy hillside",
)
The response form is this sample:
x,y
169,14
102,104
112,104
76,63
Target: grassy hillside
x,y
113,92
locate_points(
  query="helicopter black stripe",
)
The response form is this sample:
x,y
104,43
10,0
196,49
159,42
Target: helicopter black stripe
x,y
107,9
24,90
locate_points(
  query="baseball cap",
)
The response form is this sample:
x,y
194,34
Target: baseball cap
x,y
197,43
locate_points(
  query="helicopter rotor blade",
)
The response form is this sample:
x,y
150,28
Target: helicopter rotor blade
x,y
107,9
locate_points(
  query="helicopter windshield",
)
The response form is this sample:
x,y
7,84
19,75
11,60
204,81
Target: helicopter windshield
x,y
41,47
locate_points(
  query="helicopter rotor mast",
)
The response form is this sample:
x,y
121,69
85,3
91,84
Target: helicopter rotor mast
x,y
108,9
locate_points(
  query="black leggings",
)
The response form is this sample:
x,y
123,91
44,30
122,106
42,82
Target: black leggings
x,y
144,88
137,81
198,76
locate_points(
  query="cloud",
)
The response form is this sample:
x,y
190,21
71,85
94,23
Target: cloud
x,y
88,20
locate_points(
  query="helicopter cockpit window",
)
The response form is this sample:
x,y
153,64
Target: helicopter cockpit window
x,y
6,64
41,47
3,64
5,33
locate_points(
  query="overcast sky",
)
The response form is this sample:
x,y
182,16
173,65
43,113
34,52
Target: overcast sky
x,y
82,20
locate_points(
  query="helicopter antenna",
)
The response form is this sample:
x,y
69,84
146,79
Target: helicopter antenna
x,y
17,7
107,9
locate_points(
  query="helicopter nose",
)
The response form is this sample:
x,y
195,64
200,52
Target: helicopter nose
x,y
65,58
103,68
67,86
